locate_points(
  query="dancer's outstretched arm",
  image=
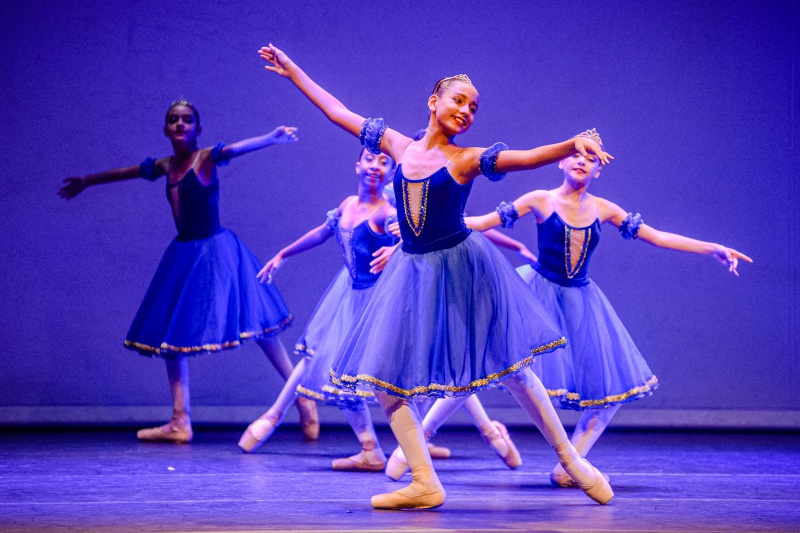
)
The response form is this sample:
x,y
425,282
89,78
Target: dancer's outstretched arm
x,y
531,202
614,214
393,142
280,135
75,185
504,241
313,238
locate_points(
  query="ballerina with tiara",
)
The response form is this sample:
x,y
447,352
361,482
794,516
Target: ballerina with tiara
x,y
449,315
204,296
601,368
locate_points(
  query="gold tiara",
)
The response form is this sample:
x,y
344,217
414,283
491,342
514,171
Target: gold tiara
x,y
593,135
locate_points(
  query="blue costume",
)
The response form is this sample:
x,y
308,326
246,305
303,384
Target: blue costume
x,y
601,366
448,316
204,296
335,313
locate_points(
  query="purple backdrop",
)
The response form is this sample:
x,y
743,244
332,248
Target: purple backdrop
x,y
697,101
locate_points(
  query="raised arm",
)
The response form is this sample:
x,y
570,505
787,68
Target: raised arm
x,y
393,143
73,186
513,160
313,238
632,227
280,135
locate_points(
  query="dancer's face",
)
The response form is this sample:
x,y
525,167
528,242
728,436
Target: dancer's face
x,y
579,170
181,125
455,108
373,170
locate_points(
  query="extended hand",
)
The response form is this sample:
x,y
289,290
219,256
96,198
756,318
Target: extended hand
x,y
279,61
382,257
528,256
284,134
73,187
584,146
729,257
394,229
265,274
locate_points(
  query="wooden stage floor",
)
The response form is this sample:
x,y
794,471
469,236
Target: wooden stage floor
x,y
73,480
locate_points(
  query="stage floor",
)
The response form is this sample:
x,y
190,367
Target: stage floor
x,y
664,482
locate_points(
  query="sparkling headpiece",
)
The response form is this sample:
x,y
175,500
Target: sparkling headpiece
x,y
181,101
593,135
458,77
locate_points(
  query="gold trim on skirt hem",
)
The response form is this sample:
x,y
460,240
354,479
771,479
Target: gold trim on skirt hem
x,y
207,347
348,381
574,398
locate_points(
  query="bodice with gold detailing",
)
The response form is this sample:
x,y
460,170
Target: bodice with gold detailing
x,y
565,251
431,211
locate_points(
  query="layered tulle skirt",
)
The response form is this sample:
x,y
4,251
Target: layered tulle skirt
x,y
449,322
204,297
326,331
601,366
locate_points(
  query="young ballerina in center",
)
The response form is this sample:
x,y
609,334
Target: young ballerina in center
x,y
603,368
449,315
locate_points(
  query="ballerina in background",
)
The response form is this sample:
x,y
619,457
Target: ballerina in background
x,y
204,296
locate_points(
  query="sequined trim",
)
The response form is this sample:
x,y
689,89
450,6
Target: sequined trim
x,y
573,270
416,220
441,390
206,347
302,349
487,162
573,399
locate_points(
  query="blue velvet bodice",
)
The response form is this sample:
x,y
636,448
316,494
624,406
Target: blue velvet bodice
x,y
358,245
195,207
431,211
565,251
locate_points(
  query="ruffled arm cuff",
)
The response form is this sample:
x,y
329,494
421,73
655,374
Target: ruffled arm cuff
x,y
218,156
148,169
333,219
630,226
372,131
488,161
508,214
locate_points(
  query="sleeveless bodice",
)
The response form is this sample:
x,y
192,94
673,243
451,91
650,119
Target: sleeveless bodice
x,y
565,251
195,207
358,245
431,211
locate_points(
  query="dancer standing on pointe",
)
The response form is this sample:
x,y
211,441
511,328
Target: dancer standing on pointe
x,y
448,315
603,368
204,296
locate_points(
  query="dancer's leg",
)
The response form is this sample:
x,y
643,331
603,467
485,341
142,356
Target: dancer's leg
x,y
260,430
276,353
532,397
371,458
437,452
179,428
591,425
425,491
493,433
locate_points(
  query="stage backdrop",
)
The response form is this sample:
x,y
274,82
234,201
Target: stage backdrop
x,y
697,100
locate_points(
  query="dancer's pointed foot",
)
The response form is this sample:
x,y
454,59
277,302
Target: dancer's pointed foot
x,y
587,477
438,452
366,461
257,433
174,432
560,478
309,419
397,465
424,492
496,436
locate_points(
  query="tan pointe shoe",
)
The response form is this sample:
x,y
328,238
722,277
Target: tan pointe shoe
x,y
424,492
397,466
309,419
367,461
170,432
560,478
503,446
588,478
256,434
438,452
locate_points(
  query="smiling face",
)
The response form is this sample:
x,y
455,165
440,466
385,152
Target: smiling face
x,y
182,124
579,170
373,170
454,106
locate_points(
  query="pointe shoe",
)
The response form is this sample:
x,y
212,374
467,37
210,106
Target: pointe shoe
x,y
420,494
594,484
256,434
560,478
397,465
503,445
438,452
167,433
309,420
366,461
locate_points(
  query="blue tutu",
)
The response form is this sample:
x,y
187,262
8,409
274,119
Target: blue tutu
x,y
205,297
446,322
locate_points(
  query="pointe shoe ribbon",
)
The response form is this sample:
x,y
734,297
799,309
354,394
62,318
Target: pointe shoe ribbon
x,y
166,433
586,476
256,434
501,439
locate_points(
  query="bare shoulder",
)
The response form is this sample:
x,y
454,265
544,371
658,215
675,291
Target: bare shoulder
x,y
609,211
347,202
